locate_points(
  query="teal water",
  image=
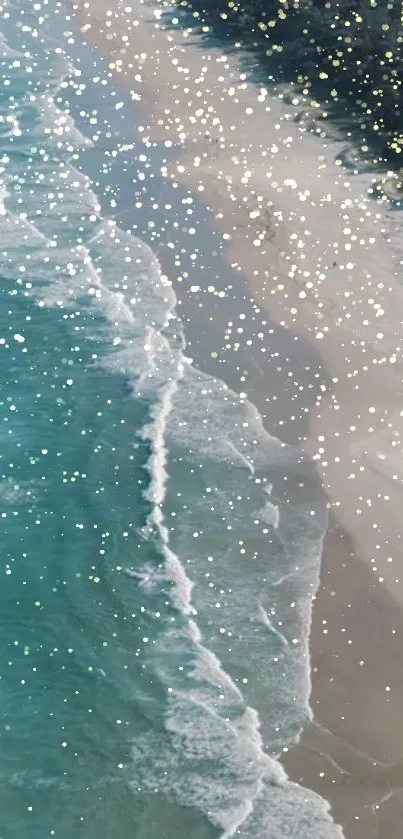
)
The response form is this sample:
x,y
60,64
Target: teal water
x,y
156,581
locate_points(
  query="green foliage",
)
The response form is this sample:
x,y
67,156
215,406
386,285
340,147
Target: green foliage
x,y
347,52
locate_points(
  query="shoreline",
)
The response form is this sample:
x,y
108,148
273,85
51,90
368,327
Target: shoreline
x,y
302,293
352,754
335,688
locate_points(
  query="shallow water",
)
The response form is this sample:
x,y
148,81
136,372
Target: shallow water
x,y
158,578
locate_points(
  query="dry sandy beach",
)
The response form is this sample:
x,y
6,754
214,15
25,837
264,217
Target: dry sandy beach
x,y
324,258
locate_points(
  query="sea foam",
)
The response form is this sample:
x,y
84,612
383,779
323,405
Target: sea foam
x,y
213,752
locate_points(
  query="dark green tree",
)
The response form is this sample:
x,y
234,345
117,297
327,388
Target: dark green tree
x,y
347,52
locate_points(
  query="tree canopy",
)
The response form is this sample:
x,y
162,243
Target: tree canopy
x,y
348,53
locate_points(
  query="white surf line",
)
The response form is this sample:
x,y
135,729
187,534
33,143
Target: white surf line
x,y
211,712
273,512
241,456
152,357
267,622
34,229
375,807
334,763
248,808
286,576
352,750
225,679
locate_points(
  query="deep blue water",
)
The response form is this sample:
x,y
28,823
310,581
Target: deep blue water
x,y
155,600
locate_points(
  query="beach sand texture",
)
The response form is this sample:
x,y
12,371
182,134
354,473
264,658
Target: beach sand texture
x,y
324,258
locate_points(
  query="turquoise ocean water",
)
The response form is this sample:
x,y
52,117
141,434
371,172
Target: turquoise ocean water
x,y
155,587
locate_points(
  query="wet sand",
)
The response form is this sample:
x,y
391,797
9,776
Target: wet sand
x,y
352,755
324,261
